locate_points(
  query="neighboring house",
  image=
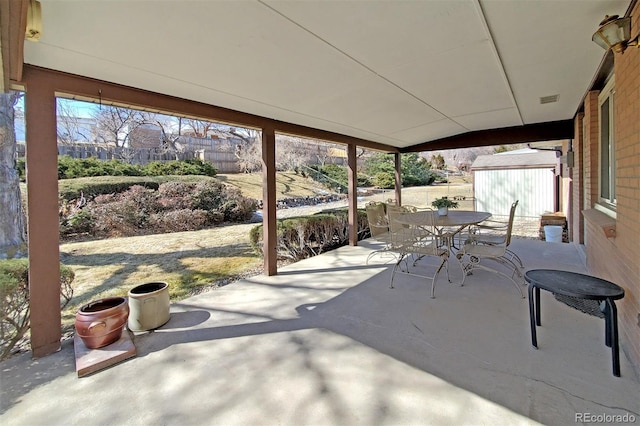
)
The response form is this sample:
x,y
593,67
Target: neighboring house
x,y
530,176
145,136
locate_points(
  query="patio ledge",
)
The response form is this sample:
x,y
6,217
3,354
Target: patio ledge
x,y
601,220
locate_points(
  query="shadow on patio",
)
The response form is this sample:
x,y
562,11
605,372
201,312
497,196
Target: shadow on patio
x,y
327,342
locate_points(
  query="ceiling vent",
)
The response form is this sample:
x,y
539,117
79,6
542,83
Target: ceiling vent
x,y
549,99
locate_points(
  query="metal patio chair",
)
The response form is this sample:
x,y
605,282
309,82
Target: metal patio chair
x,y
494,232
477,254
393,212
378,226
420,243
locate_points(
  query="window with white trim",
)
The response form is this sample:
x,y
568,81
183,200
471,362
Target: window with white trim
x,y
607,148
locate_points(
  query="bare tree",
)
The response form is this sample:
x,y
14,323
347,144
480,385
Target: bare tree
x,y
362,156
70,126
169,128
12,230
322,155
293,153
249,151
115,124
199,128
461,158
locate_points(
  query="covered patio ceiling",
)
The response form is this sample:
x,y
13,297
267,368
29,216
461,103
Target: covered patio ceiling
x,y
406,74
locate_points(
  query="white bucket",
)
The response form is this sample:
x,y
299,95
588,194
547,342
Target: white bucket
x,y
553,233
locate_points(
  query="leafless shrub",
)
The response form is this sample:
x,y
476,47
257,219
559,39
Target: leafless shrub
x,y
14,293
178,220
142,211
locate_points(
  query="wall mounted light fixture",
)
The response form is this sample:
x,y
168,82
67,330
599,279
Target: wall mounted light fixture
x,y
614,33
34,21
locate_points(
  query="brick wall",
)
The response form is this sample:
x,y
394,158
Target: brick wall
x,y
590,153
617,259
577,185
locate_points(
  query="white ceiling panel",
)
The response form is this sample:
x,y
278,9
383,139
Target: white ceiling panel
x,y
396,72
546,49
459,81
439,129
490,119
379,107
382,34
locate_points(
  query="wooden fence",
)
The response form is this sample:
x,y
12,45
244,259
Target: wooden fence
x,y
220,154
223,161
128,155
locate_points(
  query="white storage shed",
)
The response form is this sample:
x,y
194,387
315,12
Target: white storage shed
x,y
527,175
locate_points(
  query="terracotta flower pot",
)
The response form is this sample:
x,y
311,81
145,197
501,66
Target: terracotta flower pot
x,y
100,323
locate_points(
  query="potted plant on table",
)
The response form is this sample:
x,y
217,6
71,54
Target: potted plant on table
x,y
443,204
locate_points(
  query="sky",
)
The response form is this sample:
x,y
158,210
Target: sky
x,y
81,109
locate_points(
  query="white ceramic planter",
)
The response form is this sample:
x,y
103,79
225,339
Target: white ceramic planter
x,y
149,306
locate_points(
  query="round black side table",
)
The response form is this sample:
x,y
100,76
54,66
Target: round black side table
x,y
582,287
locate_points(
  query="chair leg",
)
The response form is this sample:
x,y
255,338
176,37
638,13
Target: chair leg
x,y
508,263
517,258
474,263
435,277
381,252
446,260
395,268
513,261
495,271
466,268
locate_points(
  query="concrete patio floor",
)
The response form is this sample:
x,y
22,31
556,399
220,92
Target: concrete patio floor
x,y
326,342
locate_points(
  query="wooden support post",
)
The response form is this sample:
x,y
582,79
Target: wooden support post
x,y
42,187
398,178
352,163
269,226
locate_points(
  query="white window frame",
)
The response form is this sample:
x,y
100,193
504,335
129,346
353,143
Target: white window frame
x,y
607,147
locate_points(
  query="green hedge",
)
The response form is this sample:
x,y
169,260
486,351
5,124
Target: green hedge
x,y
185,167
307,236
71,168
14,294
334,177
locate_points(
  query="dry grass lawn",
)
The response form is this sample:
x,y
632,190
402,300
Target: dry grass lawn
x,y
190,262
288,185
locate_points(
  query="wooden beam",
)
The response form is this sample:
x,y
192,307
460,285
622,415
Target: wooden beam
x,y
13,22
548,131
87,88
